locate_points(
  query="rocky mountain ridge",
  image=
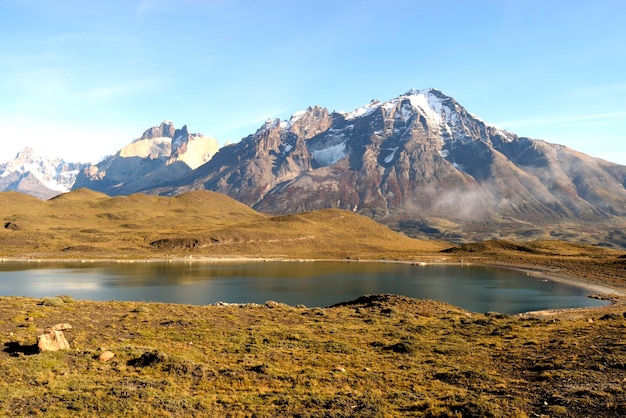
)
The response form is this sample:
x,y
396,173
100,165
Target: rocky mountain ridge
x,y
421,164
162,153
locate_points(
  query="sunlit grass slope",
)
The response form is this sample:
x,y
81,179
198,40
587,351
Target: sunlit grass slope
x,y
88,224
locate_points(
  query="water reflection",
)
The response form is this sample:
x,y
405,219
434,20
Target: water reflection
x,y
474,288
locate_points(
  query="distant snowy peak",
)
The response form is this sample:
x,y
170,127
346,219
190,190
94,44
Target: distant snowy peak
x,y
438,110
28,160
53,174
269,125
362,111
329,137
449,115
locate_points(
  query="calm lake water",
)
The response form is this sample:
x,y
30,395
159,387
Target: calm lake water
x,y
475,288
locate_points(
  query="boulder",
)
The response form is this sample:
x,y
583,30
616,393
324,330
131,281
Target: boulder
x,y
54,339
106,356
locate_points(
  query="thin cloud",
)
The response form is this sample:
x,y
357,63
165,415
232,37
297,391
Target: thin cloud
x,y
123,89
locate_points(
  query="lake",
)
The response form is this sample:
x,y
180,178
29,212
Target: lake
x,y
475,288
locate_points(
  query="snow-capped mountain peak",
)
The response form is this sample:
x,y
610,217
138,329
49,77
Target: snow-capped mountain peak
x,y
363,110
297,116
36,174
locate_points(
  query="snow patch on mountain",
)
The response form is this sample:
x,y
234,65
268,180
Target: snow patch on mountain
x,y
428,107
330,154
297,116
389,158
362,111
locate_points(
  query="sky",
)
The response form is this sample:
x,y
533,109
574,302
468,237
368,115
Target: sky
x,y
81,79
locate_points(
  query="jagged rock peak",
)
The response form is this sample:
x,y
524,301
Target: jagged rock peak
x,y
180,140
306,123
181,132
165,130
310,122
269,124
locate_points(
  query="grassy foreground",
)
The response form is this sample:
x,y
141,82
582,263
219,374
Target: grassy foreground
x,y
374,357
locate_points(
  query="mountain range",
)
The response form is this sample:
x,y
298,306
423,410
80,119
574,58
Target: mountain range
x,y
38,175
419,163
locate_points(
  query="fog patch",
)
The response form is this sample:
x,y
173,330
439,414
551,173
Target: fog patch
x,y
464,204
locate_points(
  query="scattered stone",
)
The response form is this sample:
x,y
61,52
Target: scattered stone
x,y
590,320
141,309
339,369
106,356
12,226
609,317
274,304
236,305
54,339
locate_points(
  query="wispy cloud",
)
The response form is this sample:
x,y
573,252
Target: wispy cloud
x,y
125,88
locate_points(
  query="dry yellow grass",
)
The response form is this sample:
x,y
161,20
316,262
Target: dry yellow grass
x,y
87,224
379,356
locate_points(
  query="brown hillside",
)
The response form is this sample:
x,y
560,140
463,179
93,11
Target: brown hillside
x,y
87,224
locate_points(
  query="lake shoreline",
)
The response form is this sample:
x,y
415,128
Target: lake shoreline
x,y
605,290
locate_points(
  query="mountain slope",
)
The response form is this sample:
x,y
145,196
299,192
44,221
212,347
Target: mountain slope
x,y
424,165
36,175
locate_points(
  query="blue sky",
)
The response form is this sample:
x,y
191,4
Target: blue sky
x,y
81,79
